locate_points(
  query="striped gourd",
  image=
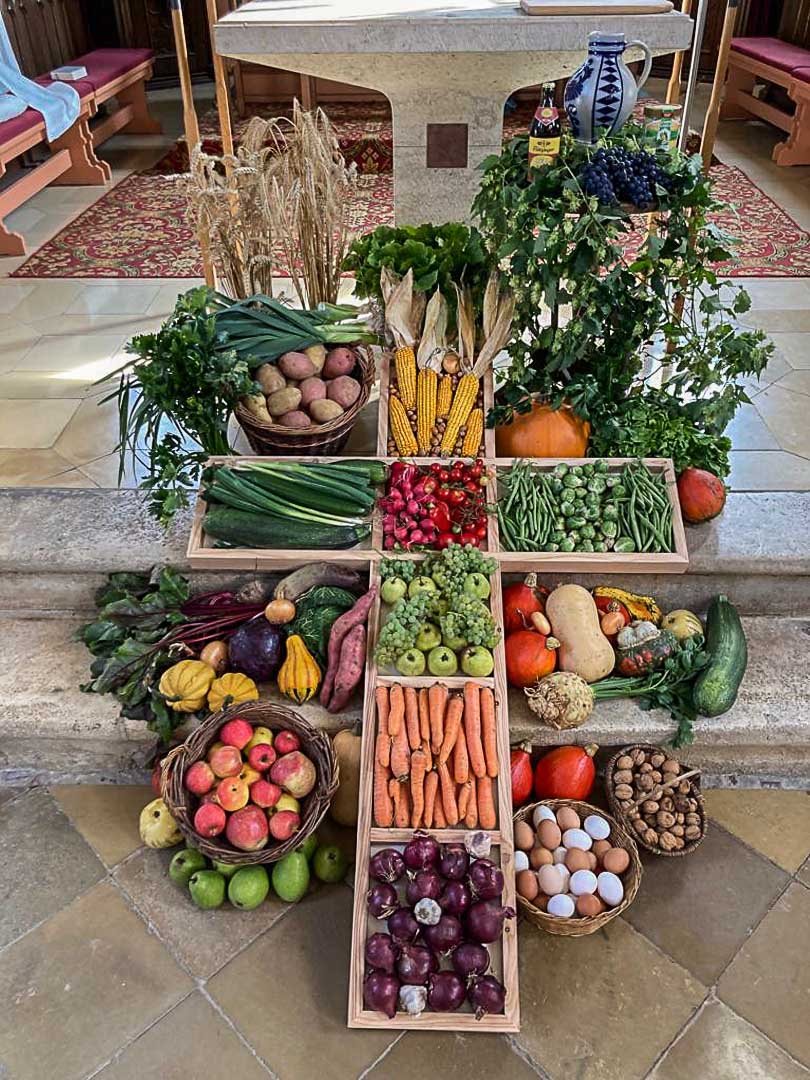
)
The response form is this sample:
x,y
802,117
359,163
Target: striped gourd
x,y
472,437
405,361
463,401
401,428
444,398
426,386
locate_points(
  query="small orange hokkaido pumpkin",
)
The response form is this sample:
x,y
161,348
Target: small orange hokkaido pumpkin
x,y
529,657
544,432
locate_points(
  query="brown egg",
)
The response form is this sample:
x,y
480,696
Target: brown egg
x,y
524,837
600,847
540,856
526,884
576,859
593,862
549,835
568,818
616,860
541,901
589,905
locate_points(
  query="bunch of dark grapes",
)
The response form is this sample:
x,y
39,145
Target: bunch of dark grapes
x,y
629,176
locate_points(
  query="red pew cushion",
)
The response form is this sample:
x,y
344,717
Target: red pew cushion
x,y
17,125
104,65
802,74
772,51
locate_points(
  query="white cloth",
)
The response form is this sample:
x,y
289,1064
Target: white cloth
x,y
59,103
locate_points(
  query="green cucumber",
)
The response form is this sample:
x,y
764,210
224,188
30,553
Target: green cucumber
x,y
715,689
242,529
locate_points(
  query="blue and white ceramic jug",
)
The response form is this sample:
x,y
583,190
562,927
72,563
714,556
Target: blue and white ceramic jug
x,y
601,94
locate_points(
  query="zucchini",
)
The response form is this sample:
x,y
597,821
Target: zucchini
x,y
242,529
715,689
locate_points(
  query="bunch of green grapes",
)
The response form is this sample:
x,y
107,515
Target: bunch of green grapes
x,y
450,567
403,568
471,619
402,626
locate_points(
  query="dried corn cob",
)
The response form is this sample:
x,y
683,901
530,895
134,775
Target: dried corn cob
x,y
444,398
472,438
463,401
401,427
405,361
427,382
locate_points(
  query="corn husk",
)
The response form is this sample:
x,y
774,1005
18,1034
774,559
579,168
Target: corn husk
x,y
399,312
388,282
465,316
433,342
497,323
491,300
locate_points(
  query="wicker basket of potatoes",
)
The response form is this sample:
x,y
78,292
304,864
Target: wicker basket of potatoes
x,y
657,799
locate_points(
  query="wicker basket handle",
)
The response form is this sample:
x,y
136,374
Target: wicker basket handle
x,y
165,762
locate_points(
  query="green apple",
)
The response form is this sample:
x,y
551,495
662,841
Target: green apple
x,y
411,663
393,590
184,864
477,585
477,662
456,643
442,661
421,585
428,637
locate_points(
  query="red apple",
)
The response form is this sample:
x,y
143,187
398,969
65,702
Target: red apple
x,y
261,756
232,793
284,824
226,761
264,794
209,820
236,732
210,797
247,829
199,778
295,773
285,742
155,779
250,776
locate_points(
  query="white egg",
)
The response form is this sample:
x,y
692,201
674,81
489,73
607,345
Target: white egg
x,y
577,838
521,861
549,880
596,827
562,906
564,873
582,881
559,854
542,813
610,888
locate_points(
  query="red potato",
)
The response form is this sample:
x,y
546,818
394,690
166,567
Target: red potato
x,y
339,361
295,419
350,668
312,389
296,365
344,390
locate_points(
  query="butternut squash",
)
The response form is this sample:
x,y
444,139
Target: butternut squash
x,y
574,619
343,808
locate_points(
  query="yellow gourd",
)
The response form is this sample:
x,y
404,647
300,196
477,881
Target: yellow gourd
x,y
300,675
185,685
574,619
230,689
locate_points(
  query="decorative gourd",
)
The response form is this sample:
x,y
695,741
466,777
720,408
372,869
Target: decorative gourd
x,y
642,647
529,656
186,684
567,772
683,624
299,676
574,619
544,432
639,606
230,689
343,808
702,495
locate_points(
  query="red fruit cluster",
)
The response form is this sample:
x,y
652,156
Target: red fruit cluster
x,y
434,506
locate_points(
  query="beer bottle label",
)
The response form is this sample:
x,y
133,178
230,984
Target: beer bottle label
x,y
543,151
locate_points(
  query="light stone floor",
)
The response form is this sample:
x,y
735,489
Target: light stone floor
x,y
58,336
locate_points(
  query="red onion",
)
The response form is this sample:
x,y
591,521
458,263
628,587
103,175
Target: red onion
x,y
402,926
470,959
415,964
486,995
381,953
380,993
426,884
387,865
445,991
445,935
456,898
421,852
486,880
382,900
484,921
454,862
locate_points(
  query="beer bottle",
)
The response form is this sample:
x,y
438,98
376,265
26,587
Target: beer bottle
x,y
544,134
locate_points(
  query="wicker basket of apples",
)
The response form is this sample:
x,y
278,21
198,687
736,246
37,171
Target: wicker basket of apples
x,y
251,783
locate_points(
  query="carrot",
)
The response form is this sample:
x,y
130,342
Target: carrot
x,y
486,803
402,803
418,770
472,729
439,821
448,795
437,701
471,817
400,753
396,716
383,806
412,718
424,715
382,752
428,754
463,797
461,762
431,787
452,727
488,733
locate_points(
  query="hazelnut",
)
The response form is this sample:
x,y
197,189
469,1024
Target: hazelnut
x,y
657,759
623,791
624,762
677,830
645,782
650,807
664,819
623,776
692,832
645,768
650,837
668,841
671,766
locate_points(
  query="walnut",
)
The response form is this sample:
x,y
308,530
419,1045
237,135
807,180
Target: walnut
x,y
623,776
624,762
681,804
671,766
650,837
645,782
680,843
626,804
645,768
623,791
657,759
634,813
680,819
650,806
667,803
693,819
684,787
650,819
664,819
692,832
677,830
640,825
638,756
668,842
692,804
656,775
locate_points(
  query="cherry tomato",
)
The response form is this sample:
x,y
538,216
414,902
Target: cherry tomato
x,y
457,497
430,485
469,538
436,468
443,475
443,492
472,486
444,539
481,531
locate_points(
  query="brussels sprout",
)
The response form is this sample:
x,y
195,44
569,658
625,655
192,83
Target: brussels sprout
x,y
567,544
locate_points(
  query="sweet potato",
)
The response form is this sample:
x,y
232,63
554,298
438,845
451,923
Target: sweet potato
x,y
296,365
339,361
340,628
350,668
344,390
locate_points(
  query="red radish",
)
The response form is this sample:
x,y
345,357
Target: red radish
x,y
285,742
529,657
567,772
520,601
702,495
521,767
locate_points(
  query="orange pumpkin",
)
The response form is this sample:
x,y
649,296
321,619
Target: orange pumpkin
x,y
544,432
529,656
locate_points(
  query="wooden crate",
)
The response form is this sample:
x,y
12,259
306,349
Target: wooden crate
x,y
609,562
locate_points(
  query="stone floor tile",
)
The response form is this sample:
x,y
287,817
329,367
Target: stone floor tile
x,y
804,873
48,298
775,823
45,863
38,385
424,1055
201,940
106,815
22,467
115,298
795,347
768,981
299,1028
602,1006
700,909
768,470
724,1047
93,431
80,354
785,413
81,985
34,424
779,321
190,1042
798,380
748,431
8,793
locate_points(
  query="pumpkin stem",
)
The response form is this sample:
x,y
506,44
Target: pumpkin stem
x,y
530,581
590,749
553,643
